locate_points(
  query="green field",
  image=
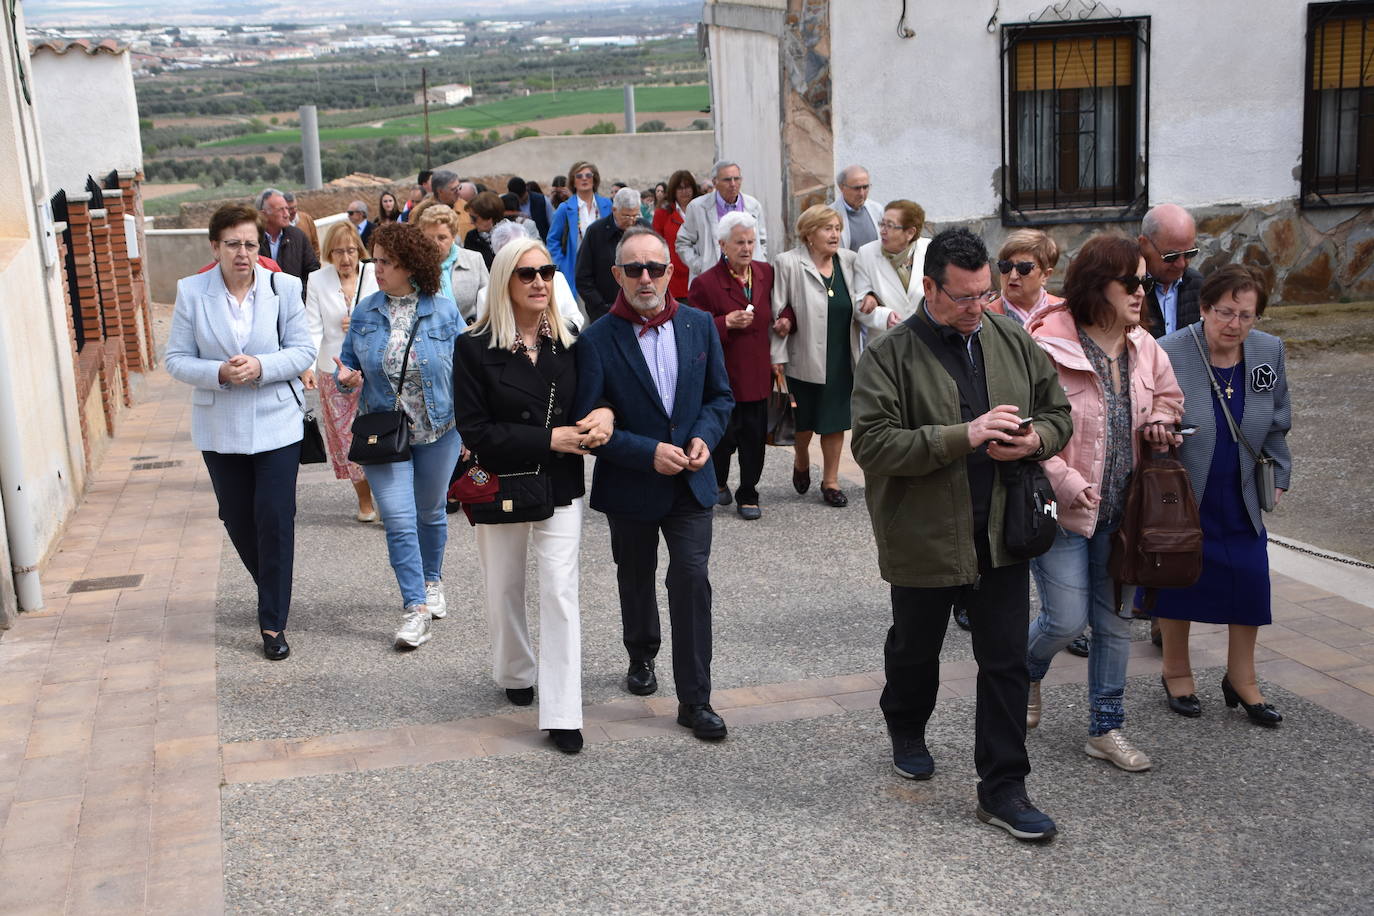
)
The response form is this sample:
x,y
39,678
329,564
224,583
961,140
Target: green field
x,y
499,114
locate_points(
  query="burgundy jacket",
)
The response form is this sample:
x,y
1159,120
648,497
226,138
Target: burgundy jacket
x,y
747,358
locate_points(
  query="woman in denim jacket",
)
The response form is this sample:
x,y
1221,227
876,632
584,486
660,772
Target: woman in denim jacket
x,y
410,494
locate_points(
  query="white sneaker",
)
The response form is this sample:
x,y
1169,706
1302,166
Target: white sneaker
x,y
414,631
1114,747
435,600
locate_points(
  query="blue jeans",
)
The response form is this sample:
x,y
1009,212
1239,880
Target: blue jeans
x,y
411,496
1076,590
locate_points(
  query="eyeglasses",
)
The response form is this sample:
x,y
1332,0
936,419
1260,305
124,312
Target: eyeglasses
x,y
236,244
858,187
354,212
585,175
891,226
635,269
342,252
1169,257
526,275
1229,315
986,298
1021,267
1132,283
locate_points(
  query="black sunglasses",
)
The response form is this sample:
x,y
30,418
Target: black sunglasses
x,y
1021,267
1132,283
527,274
1173,256
635,269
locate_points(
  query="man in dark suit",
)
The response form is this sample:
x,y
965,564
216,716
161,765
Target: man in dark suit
x,y
660,367
1168,243
357,215
283,242
535,206
596,285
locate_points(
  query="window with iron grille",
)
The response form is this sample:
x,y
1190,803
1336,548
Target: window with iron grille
x,y
1338,121
1075,120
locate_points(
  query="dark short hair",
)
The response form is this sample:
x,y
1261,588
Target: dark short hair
x,y
412,252
957,246
517,185
635,232
1232,280
1103,258
487,205
425,175
441,180
231,215
560,181
510,201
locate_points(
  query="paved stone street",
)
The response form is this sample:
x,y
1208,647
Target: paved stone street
x,y
152,761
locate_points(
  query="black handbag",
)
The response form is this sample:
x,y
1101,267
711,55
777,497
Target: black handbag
x,y
1031,519
384,437
782,412
523,496
312,443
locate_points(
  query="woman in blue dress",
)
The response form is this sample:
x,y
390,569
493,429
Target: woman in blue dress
x,y
1223,364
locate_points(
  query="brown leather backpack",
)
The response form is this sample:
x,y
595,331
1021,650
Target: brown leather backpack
x,y
1159,542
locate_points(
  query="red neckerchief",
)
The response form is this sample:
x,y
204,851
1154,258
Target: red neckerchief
x,y
622,309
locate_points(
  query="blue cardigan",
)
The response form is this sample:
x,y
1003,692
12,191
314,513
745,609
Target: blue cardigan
x,y
564,237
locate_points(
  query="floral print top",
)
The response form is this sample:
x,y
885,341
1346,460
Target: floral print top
x,y
412,392
1117,467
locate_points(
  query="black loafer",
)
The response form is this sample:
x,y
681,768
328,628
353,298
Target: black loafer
x,y
1259,713
702,720
749,513
801,480
567,740
640,679
723,497
834,497
1188,705
520,696
274,647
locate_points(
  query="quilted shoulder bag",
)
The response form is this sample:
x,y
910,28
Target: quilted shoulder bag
x,y
492,499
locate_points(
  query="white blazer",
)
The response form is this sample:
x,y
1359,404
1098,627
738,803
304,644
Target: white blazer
x,y
562,294
840,207
325,309
875,275
696,239
240,419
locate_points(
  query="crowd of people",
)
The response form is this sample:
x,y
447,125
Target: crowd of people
x,y
512,335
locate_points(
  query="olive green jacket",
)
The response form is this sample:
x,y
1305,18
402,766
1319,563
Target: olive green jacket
x,y
910,441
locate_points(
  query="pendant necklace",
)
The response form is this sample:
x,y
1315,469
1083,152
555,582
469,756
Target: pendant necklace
x,y
829,284
1229,390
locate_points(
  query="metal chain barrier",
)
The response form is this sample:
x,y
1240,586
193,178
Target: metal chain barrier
x,y
1319,554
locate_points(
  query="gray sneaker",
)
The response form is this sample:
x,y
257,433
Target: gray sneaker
x,y
1114,747
435,600
414,631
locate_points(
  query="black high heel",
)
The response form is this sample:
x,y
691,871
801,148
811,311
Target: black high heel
x,y
275,647
1260,713
1188,705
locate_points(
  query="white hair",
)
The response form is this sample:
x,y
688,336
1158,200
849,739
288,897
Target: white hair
x,y
733,220
266,195
505,232
721,165
626,199
843,175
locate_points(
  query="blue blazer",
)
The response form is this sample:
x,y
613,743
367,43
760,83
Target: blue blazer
x,y
564,237
611,370
241,419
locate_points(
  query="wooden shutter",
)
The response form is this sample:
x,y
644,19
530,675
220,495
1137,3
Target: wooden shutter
x,y
1343,54
1074,63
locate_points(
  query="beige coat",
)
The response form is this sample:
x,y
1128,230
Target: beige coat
x,y
799,284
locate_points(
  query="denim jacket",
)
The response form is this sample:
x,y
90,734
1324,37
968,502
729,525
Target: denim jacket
x,y
438,330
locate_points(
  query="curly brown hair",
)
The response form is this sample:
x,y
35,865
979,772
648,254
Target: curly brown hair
x,y
411,251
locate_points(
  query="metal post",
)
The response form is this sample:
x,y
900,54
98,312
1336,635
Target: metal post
x,y
310,147
629,108
424,86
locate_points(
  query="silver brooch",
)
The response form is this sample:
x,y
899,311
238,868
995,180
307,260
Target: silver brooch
x,y
1263,378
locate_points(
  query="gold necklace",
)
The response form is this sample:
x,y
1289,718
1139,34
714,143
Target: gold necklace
x,y
829,284
1229,390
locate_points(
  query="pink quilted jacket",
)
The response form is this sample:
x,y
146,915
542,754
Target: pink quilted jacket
x,y
1155,395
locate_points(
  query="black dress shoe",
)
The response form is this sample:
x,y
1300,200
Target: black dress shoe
x,y
834,497
801,480
1260,713
1080,646
723,497
641,680
567,740
702,720
1188,705
749,513
520,696
961,618
275,647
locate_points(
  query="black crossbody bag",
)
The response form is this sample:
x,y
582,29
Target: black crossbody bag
x,y
384,437
312,443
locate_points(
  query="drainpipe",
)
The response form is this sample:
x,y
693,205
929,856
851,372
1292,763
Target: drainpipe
x,y
20,526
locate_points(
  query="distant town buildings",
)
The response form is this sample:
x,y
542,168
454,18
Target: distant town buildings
x,y
448,94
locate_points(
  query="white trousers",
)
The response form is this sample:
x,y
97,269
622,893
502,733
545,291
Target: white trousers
x,y
501,551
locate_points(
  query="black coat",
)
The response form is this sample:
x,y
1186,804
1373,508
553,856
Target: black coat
x,y
475,242
501,400
1189,285
541,213
595,258
294,256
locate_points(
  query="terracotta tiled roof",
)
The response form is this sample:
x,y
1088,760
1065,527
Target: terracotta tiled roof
x,y
62,46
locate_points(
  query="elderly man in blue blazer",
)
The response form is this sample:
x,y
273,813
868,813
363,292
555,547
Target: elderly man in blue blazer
x,y
660,367
240,339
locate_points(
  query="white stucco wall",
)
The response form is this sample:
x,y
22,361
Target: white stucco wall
x,y
88,114
923,113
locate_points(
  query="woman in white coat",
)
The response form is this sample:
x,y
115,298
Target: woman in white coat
x,y
329,299
890,268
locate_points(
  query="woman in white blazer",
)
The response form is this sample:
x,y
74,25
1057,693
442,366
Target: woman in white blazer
x,y
891,267
463,274
333,290
239,337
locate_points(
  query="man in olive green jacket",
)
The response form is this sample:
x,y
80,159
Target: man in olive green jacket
x,y
939,403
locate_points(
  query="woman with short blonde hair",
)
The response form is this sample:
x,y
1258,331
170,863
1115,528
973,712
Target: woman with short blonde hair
x,y
1025,261
462,273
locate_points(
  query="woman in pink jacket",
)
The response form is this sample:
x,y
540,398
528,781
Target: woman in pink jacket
x,y
1118,381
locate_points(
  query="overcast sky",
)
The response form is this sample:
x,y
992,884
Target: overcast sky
x,y
95,12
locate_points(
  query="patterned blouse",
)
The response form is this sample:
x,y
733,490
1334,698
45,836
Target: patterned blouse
x,y
402,311
1116,471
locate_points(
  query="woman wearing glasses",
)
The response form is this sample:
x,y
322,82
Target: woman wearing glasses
x,y
1118,381
1226,366
516,379
890,268
574,215
1026,260
329,299
239,338
399,348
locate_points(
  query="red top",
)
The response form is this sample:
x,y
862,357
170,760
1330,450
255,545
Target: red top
x,y
748,361
666,223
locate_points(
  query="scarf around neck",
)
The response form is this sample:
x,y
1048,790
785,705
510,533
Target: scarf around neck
x,y
623,309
